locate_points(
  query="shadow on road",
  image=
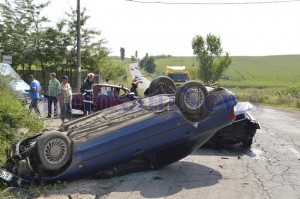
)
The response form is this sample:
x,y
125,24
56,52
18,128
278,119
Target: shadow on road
x,y
169,180
165,182
229,150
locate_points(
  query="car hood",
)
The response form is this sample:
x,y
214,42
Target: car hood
x,y
19,85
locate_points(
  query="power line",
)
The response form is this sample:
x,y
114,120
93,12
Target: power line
x,y
213,3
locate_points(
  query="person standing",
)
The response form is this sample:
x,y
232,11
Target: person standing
x,y
52,93
134,85
65,99
106,81
86,90
34,93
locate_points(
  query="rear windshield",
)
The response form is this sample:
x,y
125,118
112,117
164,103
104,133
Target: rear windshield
x,y
178,77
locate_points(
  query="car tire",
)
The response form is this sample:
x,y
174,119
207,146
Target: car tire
x,y
54,150
162,85
191,99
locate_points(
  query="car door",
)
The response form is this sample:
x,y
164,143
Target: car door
x,y
103,98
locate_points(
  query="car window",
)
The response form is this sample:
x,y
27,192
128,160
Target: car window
x,y
7,70
103,90
107,90
14,81
122,92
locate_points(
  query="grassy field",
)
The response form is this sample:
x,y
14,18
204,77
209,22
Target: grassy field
x,y
259,72
273,80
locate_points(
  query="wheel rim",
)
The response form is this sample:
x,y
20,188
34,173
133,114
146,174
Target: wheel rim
x,y
194,98
55,151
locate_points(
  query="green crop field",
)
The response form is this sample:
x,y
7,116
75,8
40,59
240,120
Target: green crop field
x,y
273,80
263,72
253,72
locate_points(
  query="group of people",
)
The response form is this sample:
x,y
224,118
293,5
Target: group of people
x,y
62,92
57,91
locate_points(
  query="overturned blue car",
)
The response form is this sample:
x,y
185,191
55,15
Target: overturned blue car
x,y
158,130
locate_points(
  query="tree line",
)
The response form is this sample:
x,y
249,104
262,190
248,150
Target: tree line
x,y
29,37
212,60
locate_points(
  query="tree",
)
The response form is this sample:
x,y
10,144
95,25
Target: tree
x,y
25,36
22,24
148,64
133,59
92,46
136,54
113,71
122,52
212,61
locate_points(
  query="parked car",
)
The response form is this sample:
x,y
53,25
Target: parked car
x,y
103,96
14,82
158,130
241,131
140,80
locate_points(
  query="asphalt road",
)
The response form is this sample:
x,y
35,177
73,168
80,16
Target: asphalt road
x,y
270,169
134,72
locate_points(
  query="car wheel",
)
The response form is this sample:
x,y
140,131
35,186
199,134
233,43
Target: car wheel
x,y
191,99
54,150
162,85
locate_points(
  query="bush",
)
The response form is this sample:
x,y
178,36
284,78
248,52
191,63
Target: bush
x,y
13,118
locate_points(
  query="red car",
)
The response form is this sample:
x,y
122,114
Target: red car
x,y
103,96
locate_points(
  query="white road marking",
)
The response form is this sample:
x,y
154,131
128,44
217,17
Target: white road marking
x,y
292,149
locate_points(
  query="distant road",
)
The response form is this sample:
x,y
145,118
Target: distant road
x,y
134,72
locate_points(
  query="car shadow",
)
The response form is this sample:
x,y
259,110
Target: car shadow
x,y
225,150
164,182
176,177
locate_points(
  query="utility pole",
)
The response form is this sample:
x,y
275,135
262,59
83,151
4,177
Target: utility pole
x,y
78,46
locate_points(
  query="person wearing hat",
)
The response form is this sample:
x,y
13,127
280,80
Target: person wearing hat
x,y
65,99
86,90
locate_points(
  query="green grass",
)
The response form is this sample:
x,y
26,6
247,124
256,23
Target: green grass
x,y
261,72
256,71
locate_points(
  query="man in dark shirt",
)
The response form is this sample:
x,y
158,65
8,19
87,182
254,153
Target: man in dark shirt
x,y
86,90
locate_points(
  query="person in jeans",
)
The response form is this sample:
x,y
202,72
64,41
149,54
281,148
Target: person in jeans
x,y
34,93
65,99
52,95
